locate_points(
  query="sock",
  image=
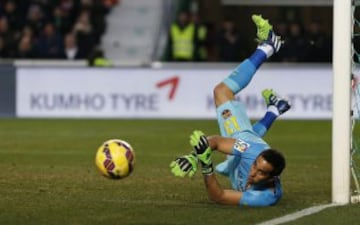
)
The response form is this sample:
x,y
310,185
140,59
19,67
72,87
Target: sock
x,y
268,119
267,49
263,125
274,110
263,52
240,76
258,58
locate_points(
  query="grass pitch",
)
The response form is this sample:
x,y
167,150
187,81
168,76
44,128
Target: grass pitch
x,y
47,175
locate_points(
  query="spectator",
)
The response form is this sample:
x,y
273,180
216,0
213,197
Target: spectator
x,y
295,48
25,49
49,44
61,20
8,36
28,32
202,38
84,32
229,48
35,18
30,22
182,39
282,30
71,49
12,15
46,7
97,12
69,9
320,45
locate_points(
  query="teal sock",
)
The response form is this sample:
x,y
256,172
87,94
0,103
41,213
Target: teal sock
x,y
263,125
241,76
258,58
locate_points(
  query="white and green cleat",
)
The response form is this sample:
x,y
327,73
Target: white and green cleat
x,y
271,98
264,28
265,33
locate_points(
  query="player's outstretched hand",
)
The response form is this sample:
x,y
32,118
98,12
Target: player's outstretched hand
x,y
201,147
184,165
199,142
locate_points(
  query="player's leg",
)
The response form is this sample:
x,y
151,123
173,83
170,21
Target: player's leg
x,y
232,115
276,106
241,76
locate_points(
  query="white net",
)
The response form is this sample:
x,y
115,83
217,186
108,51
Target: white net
x,y
355,137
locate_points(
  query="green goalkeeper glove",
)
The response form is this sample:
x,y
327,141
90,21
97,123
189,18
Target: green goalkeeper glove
x,y
184,165
203,151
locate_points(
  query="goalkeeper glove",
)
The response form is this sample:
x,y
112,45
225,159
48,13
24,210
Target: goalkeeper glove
x,y
184,165
201,147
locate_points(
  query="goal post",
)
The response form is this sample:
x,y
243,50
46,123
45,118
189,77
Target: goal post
x,y
341,123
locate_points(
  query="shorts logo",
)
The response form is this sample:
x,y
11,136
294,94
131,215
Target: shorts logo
x,y
226,114
241,145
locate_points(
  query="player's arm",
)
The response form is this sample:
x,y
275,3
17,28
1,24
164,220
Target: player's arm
x,y
187,164
203,147
221,144
218,194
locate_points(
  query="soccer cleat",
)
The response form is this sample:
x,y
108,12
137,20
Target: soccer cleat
x,y
271,98
265,33
263,26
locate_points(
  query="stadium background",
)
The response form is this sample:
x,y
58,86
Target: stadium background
x,y
136,32
35,38
46,156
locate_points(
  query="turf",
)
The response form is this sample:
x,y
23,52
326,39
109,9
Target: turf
x,y
48,174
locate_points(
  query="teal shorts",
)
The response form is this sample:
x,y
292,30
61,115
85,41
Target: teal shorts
x,y
232,118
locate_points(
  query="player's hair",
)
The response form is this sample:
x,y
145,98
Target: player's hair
x,y
276,159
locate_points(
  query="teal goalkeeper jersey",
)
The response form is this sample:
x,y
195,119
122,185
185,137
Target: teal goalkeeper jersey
x,y
237,167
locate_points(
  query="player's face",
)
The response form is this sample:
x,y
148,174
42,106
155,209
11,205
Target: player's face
x,y
260,171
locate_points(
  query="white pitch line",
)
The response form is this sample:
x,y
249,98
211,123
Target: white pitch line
x,y
298,214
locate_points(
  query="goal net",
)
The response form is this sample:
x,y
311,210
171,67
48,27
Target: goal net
x,y
355,106
355,139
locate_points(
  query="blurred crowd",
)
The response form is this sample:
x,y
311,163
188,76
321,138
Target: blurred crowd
x,y
52,29
192,40
72,29
303,44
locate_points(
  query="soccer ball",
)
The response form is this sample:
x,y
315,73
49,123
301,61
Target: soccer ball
x,y
115,159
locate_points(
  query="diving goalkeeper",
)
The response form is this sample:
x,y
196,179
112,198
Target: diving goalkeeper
x,y
252,166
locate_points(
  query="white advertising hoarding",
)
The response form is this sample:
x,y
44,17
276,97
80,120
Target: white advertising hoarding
x,y
164,93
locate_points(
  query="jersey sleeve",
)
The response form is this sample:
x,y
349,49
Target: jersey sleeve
x,y
258,198
249,148
240,146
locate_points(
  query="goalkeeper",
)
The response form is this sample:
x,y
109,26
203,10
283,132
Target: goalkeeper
x,y
251,165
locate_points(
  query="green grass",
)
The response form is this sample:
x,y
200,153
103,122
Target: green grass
x,y
48,175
